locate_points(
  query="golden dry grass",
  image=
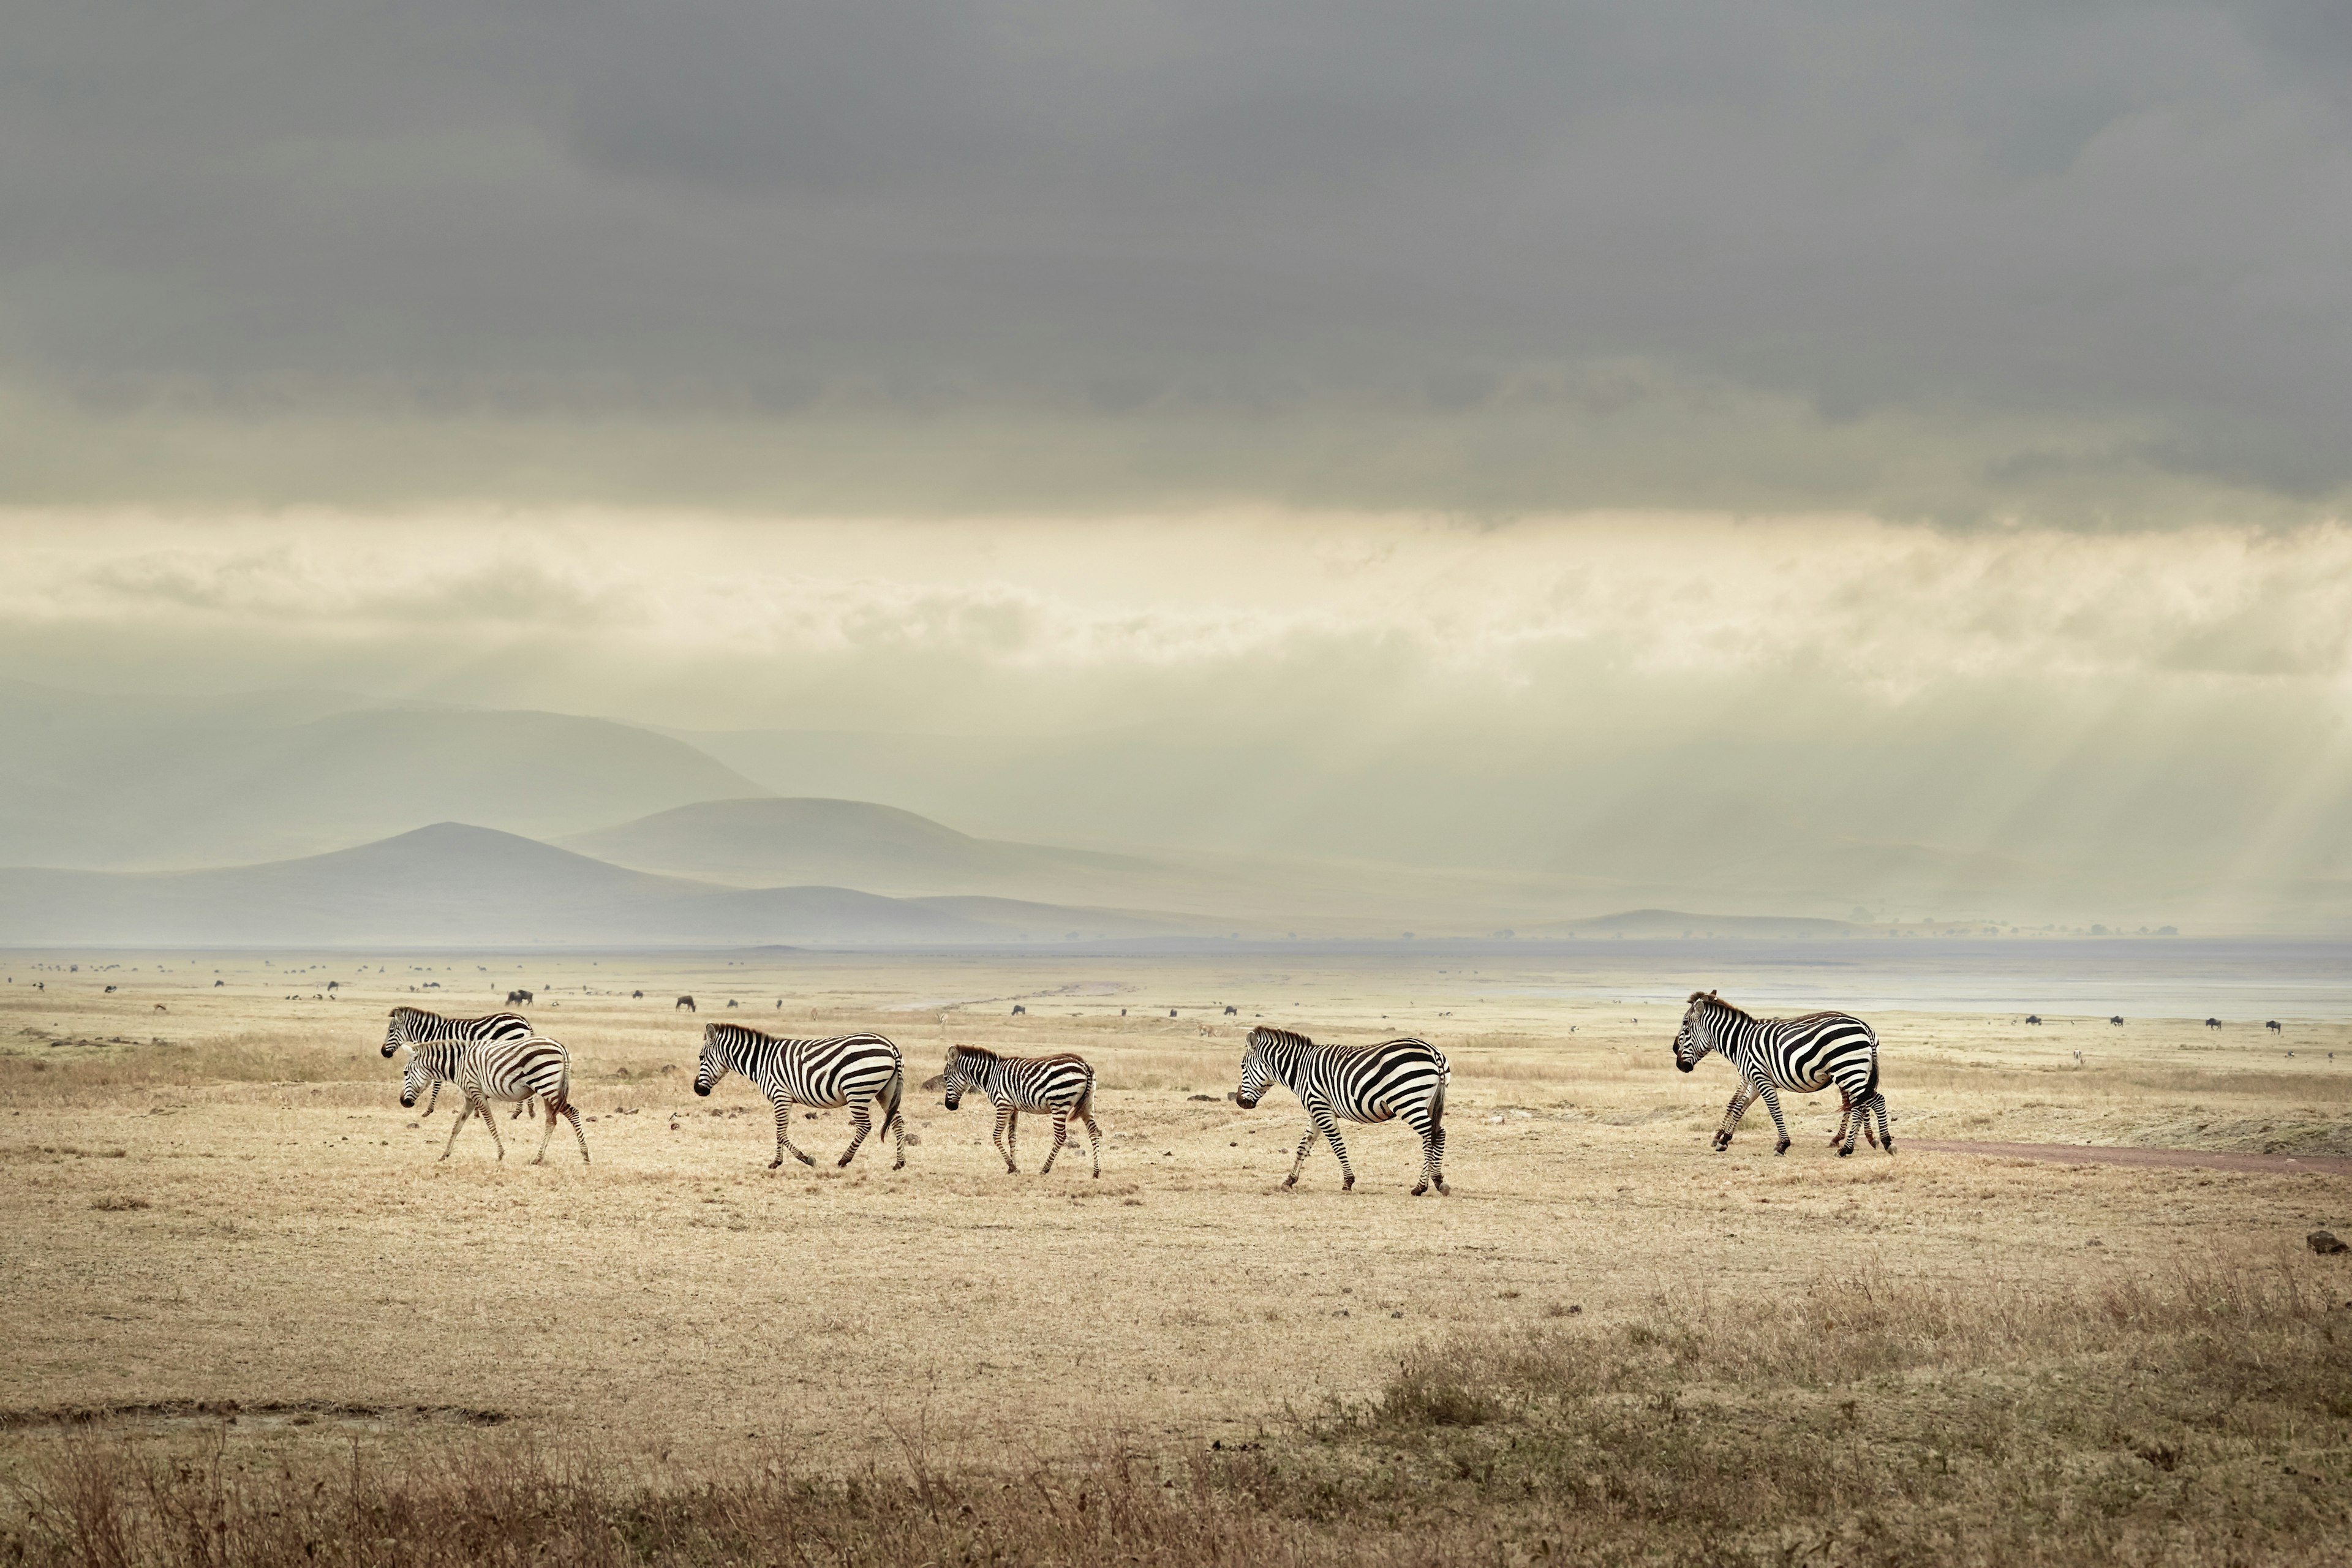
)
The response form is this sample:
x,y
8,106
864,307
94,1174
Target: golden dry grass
x,y
223,1204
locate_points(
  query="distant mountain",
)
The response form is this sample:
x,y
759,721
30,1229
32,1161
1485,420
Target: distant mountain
x,y
94,780
453,885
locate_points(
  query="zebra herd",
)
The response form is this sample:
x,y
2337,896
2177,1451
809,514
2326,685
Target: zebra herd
x,y
499,1057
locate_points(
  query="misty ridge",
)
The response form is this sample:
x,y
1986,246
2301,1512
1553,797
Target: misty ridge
x,y
289,817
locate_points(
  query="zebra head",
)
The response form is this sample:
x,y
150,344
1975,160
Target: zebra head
x,y
958,1075
1256,1073
714,1064
396,1034
1696,1036
416,1077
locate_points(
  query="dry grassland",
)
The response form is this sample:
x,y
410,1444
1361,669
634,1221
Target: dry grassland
x,y
1607,1343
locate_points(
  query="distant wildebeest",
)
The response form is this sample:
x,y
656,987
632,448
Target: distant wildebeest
x,y
639,996
219,984
2034,1018
515,996
731,1001
1232,1012
2117,1020
1018,1010
2273,1026
1172,1012
686,1003
2212,1023
110,991
332,983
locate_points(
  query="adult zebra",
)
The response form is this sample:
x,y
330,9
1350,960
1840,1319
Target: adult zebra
x,y
531,1068
1395,1078
1806,1054
1063,1084
415,1027
855,1070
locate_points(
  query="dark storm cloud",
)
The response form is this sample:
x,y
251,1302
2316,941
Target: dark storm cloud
x,y
1954,259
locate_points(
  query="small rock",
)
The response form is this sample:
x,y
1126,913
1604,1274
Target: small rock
x,y
2323,1242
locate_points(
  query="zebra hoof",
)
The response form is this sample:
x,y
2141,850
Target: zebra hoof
x,y
810,1159
1444,1191
1286,1181
1844,1151
773,1163
1781,1147
1889,1145
1348,1185
1419,1189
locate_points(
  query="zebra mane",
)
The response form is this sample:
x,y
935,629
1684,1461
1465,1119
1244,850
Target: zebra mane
x,y
405,1010
1733,1008
1266,1033
983,1052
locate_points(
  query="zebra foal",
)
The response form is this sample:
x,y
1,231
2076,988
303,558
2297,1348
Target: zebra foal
x,y
854,1070
1394,1080
1805,1054
520,1070
1063,1084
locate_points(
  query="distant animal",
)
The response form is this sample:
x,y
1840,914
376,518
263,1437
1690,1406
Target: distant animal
x,y
1207,1033
2033,1018
219,984
2273,1026
519,1069
639,996
1395,1079
1232,1012
332,983
1018,1010
686,1003
2117,1020
515,997
1172,1012
160,1008
110,991
414,1028
1061,1085
1806,1054
731,1001
855,1070
2212,1023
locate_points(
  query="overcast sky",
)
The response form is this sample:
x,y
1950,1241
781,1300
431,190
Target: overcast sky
x,y
2086,264
1576,394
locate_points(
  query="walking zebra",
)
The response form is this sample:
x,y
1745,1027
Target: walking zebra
x,y
1063,1084
855,1070
531,1067
1357,1083
415,1027
1805,1054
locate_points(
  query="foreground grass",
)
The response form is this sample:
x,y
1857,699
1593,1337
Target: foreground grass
x,y
2202,1418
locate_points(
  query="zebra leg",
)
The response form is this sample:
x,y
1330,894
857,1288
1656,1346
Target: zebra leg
x,y
1731,1115
1438,1160
1061,1136
1306,1144
784,1135
431,1100
861,1122
1331,1125
1003,1120
1422,1130
578,1132
1845,1111
1885,1135
463,1111
1772,1104
1094,1139
481,1108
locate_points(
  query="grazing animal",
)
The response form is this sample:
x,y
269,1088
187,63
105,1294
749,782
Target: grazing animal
x,y
1805,1054
2212,1023
2035,1019
516,997
639,996
520,1069
686,1003
2117,1020
1063,1084
415,1027
1018,1010
1232,1012
854,1070
731,1001
1396,1079
2273,1026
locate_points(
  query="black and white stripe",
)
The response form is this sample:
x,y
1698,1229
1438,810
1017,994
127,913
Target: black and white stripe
x,y
1805,1054
1063,1084
415,1027
1396,1079
854,1070
519,1070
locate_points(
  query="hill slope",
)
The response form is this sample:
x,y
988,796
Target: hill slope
x,y
461,886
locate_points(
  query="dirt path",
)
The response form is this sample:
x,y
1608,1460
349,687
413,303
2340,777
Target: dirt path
x,y
2086,1154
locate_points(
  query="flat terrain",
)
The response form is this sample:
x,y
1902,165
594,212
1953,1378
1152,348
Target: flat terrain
x,y
222,1200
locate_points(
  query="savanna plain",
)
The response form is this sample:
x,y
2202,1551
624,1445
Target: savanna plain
x,y
252,1317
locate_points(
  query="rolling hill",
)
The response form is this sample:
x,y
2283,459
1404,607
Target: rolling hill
x,y
455,885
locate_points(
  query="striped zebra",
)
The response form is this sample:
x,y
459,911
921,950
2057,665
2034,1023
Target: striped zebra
x,y
414,1026
1805,1054
1062,1084
533,1066
1356,1083
855,1070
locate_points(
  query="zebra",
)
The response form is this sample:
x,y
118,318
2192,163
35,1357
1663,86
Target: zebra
x,y
1358,1083
415,1027
1063,1084
855,1070
1773,1054
522,1070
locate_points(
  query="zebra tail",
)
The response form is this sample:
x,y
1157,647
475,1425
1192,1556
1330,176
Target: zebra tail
x,y
1086,1105
1874,1062
891,1092
1437,1107
563,1091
